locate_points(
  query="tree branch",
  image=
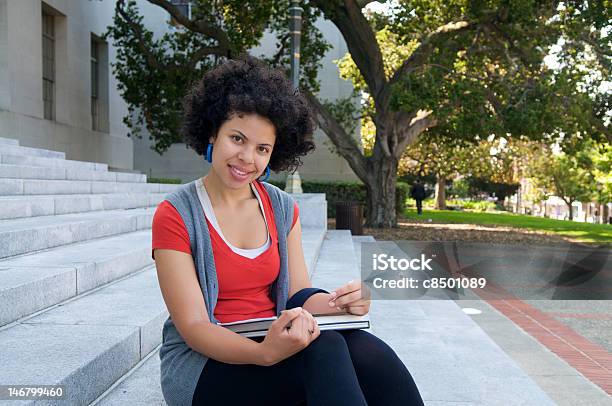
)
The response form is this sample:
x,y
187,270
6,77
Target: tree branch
x,y
344,143
417,124
360,40
283,45
599,125
603,55
362,3
426,47
200,26
198,55
492,29
152,60
150,57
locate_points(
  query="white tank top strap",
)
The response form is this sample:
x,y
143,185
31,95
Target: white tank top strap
x,y
210,215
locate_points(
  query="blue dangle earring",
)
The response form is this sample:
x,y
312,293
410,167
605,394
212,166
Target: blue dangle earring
x,y
267,174
209,153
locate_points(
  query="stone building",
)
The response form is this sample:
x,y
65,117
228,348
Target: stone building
x,y
57,90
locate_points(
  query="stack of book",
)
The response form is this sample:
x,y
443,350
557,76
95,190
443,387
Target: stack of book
x,y
332,321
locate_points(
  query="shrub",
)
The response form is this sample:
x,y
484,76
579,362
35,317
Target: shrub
x,y
460,188
475,205
348,191
164,180
458,204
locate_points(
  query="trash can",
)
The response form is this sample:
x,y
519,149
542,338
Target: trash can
x,y
349,216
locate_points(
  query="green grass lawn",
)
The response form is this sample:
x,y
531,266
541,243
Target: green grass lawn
x,y
587,232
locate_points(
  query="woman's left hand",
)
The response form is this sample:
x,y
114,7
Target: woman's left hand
x,y
351,298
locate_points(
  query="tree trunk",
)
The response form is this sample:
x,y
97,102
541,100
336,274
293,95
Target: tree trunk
x,y
604,214
571,213
441,193
381,194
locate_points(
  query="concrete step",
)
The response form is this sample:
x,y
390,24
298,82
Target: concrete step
x,y
337,262
312,239
8,141
357,240
47,205
139,387
27,235
14,187
132,171
17,150
51,162
34,282
39,172
87,343
313,209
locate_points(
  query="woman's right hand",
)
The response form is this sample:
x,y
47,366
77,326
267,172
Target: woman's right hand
x,y
288,335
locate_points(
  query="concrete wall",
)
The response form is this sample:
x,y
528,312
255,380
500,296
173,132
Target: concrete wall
x,y
21,100
322,164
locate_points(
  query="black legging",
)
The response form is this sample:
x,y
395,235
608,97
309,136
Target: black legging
x,y
345,367
348,367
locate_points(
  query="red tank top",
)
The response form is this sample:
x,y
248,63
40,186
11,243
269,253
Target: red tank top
x,y
244,283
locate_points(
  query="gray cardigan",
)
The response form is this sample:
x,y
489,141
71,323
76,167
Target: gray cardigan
x,y
180,365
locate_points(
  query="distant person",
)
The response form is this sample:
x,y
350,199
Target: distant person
x,y
418,194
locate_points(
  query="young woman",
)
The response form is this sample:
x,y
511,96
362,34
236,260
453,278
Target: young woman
x,y
228,247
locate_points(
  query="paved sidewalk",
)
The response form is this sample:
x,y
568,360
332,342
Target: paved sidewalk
x,y
562,382
569,368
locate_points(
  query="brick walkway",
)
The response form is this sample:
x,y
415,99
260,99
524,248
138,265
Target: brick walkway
x,y
590,359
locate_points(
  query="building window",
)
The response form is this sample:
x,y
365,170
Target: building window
x,y
95,86
48,49
184,7
99,82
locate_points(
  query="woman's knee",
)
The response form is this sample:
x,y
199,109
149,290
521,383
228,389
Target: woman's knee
x,y
329,344
367,350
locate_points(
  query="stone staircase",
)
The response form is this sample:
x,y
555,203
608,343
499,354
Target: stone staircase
x,y
79,300
80,303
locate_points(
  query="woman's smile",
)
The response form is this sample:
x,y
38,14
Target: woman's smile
x,y
240,174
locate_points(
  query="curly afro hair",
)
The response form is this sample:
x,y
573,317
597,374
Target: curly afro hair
x,y
247,85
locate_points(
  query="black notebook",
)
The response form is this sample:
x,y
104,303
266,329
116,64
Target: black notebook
x,y
333,321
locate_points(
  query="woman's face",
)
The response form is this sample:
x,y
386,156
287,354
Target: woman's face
x,y
242,149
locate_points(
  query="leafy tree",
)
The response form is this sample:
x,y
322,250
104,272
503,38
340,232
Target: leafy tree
x,y
570,177
442,159
473,68
464,67
155,73
494,160
601,157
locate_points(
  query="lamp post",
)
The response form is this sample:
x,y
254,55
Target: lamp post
x,y
294,183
